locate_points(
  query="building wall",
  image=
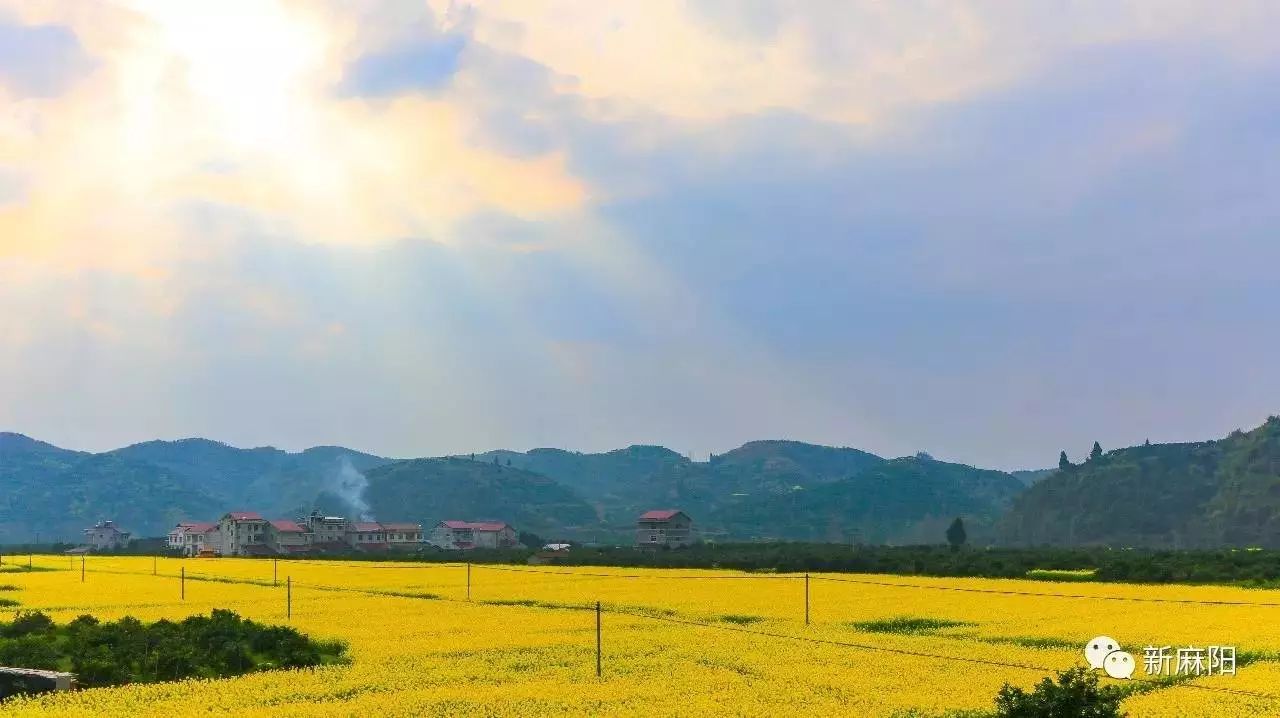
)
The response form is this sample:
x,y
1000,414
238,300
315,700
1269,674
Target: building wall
x,y
676,531
237,535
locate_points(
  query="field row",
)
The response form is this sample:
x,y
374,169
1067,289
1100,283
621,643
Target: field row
x,y
674,641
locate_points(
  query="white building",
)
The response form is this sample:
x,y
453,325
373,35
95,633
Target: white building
x,y
193,537
327,532
105,536
402,535
243,533
465,535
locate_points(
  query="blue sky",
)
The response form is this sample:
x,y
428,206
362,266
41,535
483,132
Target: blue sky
x,y
988,232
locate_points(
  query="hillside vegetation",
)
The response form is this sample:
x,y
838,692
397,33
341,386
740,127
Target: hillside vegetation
x,y
1204,494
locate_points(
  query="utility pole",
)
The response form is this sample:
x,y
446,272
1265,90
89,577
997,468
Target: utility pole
x,y
598,660
182,582
275,572
81,568
468,580
288,597
153,565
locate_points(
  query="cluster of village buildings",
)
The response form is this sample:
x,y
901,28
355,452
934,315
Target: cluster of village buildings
x,y
245,533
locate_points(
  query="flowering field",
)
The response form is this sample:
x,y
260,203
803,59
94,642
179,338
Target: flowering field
x,y
674,642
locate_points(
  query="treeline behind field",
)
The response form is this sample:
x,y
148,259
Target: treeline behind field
x,y
1228,566
1249,567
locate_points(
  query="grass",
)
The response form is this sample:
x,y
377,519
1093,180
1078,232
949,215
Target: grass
x,y
740,619
908,625
1062,574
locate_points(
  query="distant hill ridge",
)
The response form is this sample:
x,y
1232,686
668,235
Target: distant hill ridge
x,y
1212,493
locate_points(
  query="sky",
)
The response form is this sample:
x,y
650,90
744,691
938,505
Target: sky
x,y
990,231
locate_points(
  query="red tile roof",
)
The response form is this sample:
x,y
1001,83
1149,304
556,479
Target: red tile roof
x,y
367,526
245,515
200,527
488,526
286,526
659,515
402,526
473,525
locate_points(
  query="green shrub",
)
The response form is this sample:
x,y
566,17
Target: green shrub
x,y
1076,694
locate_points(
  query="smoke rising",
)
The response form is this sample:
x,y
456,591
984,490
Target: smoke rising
x,y
349,484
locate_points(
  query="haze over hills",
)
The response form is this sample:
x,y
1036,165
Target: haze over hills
x,y
1224,492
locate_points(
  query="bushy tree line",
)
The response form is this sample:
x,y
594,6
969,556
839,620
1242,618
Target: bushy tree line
x,y
130,651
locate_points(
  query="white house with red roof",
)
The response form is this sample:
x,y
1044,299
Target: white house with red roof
x,y
384,535
191,537
664,528
465,535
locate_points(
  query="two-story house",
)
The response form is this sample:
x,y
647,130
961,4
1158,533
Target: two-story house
x,y
402,536
664,527
285,536
105,536
465,535
192,537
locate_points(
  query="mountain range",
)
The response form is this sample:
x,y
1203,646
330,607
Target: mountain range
x,y
1212,493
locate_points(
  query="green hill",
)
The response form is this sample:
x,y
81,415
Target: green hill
x,y
1204,494
58,493
901,500
434,490
146,488
780,490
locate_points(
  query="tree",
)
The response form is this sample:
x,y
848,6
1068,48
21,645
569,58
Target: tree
x,y
1075,695
1064,463
1096,452
956,535
532,540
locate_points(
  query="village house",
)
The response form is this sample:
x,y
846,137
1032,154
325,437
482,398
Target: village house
x,y
105,536
243,533
285,536
466,535
402,536
328,533
246,533
367,536
664,528
190,538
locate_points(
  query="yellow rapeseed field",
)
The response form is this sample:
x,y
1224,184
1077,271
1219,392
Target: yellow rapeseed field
x,y
674,642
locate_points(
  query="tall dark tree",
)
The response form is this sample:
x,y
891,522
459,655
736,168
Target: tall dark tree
x,y
1063,462
956,534
1096,452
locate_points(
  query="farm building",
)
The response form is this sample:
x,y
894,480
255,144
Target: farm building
x,y
464,535
664,527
